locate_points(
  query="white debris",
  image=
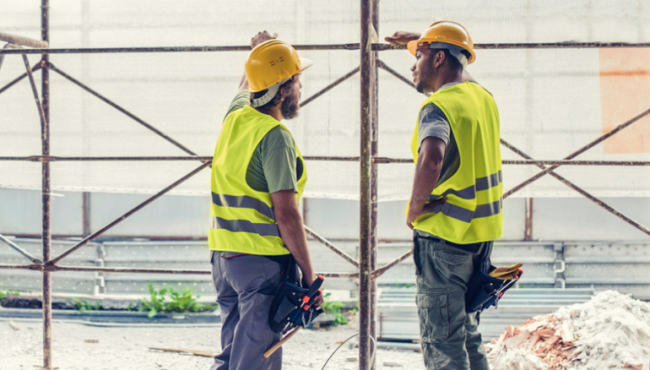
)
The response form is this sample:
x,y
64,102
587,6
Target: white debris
x,y
611,331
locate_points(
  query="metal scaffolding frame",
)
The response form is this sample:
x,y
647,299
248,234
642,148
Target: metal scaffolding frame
x,y
368,160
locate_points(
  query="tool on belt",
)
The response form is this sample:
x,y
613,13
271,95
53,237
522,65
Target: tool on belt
x,y
489,283
293,306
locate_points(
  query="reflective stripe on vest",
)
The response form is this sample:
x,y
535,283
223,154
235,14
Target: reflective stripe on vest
x,y
243,201
244,226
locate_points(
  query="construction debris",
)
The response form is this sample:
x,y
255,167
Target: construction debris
x,y
611,331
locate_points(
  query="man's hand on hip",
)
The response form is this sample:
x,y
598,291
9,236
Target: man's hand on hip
x,y
415,212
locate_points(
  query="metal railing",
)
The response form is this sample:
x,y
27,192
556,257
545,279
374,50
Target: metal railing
x,y
368,159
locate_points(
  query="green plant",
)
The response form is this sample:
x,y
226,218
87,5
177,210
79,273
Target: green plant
x,y
335,308
5,293
83,305
179,302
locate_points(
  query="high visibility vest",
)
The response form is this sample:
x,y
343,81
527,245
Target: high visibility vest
x,y
241,218
472,212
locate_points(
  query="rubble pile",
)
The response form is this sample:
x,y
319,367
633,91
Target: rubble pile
x,y
611,331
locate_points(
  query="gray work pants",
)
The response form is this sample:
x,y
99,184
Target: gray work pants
x,y
449,336
245,288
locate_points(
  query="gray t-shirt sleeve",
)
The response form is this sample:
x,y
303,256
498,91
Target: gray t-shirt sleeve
x,y
240,101
433,123
279,160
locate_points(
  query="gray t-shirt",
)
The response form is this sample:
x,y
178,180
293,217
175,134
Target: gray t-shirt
x,y
434,123
274,165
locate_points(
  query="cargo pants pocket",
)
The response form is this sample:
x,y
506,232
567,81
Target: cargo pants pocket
x,y
433,312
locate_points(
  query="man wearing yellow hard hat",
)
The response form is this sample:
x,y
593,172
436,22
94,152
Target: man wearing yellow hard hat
x,y
455,205
258,176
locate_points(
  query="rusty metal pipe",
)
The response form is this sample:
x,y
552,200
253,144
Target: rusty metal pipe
x,y
350,46
128,214
176,49
566,182
535,45
18,79
128,270
331,246
365,201
122,110
20,250
380,271
330,87
578,152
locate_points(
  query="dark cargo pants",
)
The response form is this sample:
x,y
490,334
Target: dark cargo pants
x,y
245,288
449,336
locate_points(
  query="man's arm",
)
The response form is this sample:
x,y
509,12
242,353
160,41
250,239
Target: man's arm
x,y
427,173
293,233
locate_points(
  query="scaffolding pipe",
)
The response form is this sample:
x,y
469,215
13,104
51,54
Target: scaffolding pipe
x,y
330,87
126,270
366,232
350,46
593,143
331,246
45,144
122,110
566,182
375,160
127,214
20,250
19,78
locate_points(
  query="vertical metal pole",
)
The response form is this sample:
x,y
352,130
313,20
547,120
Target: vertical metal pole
x,y
374,152
528,233
366,235
85,76
45,140
85,204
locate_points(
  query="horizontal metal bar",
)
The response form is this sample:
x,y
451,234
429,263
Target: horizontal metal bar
x,y
43,159
124,270
536,45
351,46
20,250
175,49
576,163
331,246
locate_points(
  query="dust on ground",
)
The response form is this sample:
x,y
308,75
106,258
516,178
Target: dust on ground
x,y
127,348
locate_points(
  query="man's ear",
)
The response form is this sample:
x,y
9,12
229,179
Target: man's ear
x,y
439,58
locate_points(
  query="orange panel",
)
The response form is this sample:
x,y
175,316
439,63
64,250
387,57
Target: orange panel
x,y
624,93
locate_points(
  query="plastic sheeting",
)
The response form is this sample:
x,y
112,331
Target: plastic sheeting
x,y
551,101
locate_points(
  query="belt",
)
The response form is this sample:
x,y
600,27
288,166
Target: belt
x,y
461,246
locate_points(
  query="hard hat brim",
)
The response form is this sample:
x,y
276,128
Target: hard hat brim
x,y
412,46
305,63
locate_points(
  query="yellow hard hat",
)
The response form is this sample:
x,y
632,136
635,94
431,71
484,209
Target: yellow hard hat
x,y
447,32
271,62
